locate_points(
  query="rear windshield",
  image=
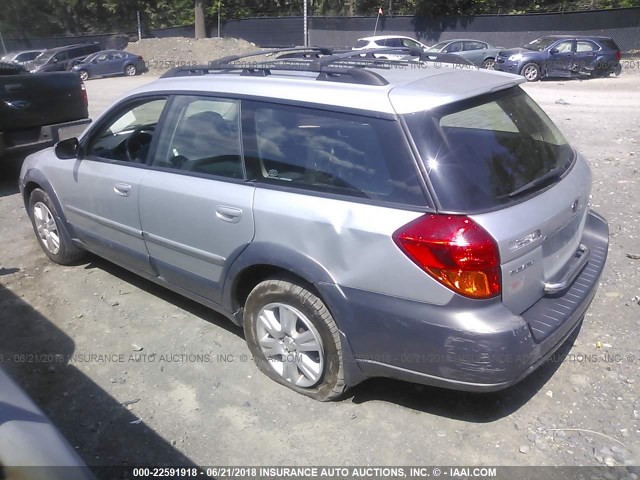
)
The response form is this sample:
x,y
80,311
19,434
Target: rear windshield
x,y
609,43
489,152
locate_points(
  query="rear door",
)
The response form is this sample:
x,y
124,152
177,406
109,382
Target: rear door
x,y
195,207
585,57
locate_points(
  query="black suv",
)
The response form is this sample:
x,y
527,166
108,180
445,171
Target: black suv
x,y
562,56
60,59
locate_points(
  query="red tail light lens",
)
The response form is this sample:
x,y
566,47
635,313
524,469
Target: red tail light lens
x,y
618,55
455,251
83,94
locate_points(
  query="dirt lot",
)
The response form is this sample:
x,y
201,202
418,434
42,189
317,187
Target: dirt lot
x,y
183,370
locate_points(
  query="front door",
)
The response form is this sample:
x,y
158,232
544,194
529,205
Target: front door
x,y
560,59
195,207
100,192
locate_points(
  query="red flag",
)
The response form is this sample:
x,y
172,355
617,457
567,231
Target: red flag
x,y
380,12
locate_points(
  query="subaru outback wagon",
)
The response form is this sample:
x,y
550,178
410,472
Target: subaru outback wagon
x,y
357,217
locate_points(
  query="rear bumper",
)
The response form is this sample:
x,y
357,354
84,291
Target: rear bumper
x,y
37,138
466,344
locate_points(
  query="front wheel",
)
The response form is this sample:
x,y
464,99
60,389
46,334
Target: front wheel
x,y
49,230
531,71
294,339
130,70
84,75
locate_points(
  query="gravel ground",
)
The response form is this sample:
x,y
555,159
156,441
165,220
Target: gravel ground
x,y
161,54
199,400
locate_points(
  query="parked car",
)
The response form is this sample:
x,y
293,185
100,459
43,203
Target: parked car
x,y
388,42
30,445
60,59
481,54
109,62
562,56
38,110
427,224
21,57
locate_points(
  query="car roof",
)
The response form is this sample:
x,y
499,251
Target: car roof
x,y
65,47
382,37
463,40
588,37
410,89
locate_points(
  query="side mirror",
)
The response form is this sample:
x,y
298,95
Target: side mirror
x,y
54,60
553,51
67,149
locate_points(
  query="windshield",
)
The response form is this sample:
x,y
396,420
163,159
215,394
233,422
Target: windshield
x,y
44,57
540,44
438,46
479,154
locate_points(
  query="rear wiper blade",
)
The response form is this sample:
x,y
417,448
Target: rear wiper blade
x,y
550,175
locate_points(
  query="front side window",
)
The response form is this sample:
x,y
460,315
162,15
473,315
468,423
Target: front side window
x,y
454,47
329,152
201,136
564,47
489,152
127,135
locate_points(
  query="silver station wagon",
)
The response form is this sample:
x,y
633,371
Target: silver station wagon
x,y
358,217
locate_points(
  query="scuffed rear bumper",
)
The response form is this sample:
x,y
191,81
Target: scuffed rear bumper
x,y
466,344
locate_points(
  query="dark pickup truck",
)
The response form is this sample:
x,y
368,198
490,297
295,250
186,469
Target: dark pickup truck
x,y
36,111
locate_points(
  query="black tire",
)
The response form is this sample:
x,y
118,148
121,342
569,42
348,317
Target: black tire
x,y
130,70
67,253
330,384
531,71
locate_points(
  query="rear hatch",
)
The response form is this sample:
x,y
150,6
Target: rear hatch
x,y
33,100
500,160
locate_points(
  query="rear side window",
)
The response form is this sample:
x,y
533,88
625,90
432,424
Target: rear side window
x,y
474,45
361,44
489,152
586,46
201,136
329,152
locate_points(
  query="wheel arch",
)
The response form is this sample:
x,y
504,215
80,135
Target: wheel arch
x,y
36,179
262,260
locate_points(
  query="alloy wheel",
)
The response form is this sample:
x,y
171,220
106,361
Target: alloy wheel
x,y
291,344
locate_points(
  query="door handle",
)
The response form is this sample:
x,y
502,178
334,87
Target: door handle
x,y
228,214
122,189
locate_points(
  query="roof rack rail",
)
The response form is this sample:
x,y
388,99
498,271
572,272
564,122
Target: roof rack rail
x,y
214,64
347,66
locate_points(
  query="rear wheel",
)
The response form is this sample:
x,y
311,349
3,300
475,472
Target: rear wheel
x,y
50,231
294,339
489,64
84,75
130,70
531,71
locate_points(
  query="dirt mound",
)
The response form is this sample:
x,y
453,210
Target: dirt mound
x,y
161,54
